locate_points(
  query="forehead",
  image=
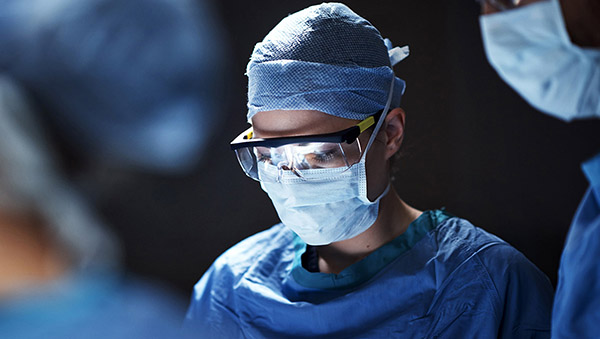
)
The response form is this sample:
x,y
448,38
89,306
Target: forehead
x,y
282,123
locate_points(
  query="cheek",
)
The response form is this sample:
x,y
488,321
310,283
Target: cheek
x,y
377,171
487,9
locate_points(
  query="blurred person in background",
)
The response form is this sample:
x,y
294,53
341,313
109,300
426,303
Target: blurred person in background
x,y
549,52
350,258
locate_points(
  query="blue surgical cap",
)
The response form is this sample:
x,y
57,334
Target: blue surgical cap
x,y
324,58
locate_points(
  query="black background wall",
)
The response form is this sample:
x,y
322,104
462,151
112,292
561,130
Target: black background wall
x,y
472,145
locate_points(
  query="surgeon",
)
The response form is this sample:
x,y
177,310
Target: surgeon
x,y
350,257
549,52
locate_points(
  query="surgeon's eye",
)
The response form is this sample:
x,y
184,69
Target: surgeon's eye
x,y
325,158
263,158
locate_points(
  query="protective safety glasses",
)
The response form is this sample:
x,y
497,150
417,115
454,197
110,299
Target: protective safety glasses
x,y
333,150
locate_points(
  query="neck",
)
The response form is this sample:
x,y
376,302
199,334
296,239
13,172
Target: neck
x,y
28,257
393,220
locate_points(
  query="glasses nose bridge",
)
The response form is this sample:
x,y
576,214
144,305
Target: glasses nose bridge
x,y
287,158
288,164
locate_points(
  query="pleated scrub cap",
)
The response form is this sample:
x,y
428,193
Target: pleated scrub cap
x,y
325,58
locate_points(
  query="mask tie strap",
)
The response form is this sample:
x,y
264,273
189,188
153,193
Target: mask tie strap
x,y
381,118
396,54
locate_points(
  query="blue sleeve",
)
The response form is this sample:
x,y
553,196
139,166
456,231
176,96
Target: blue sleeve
x,y
208,315
526,293
577,306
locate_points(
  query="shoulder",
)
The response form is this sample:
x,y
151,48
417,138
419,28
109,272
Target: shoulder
x,y
247,252
519,294
251,254
503,268
213,310
458,239
504,265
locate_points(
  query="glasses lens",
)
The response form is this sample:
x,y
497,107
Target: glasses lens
x,y
248,162
327,155
298,157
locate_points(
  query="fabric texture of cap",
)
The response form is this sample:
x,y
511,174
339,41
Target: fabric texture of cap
x,y
325,58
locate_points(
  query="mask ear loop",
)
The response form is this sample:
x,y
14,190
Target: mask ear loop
x,y
381,118
372,138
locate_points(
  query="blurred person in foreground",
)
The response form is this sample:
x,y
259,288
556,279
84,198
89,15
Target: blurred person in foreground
x,y
131,84
549,52
59,266
350,258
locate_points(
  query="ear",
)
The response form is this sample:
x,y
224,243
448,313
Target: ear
x,y
394,130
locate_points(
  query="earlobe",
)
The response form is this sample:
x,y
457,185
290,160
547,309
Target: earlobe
x,y
394,129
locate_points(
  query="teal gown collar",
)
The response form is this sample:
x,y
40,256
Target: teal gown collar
x,y
366,268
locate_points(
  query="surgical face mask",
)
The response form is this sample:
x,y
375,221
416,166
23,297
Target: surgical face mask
x,y
330,206
531,50
324,205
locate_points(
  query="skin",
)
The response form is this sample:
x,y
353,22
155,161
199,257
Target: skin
x,y
582,19
394,214
28,257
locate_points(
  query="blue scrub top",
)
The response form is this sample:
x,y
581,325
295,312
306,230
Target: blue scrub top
x,y
443,277
92,305
576,311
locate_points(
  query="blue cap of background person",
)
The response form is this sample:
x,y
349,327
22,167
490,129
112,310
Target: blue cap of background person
x,y
325,58
130,82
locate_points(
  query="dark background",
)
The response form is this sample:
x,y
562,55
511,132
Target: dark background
x,y
472,145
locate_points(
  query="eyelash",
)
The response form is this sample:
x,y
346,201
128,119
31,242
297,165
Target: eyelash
x,y
325,157
318,158
263,158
